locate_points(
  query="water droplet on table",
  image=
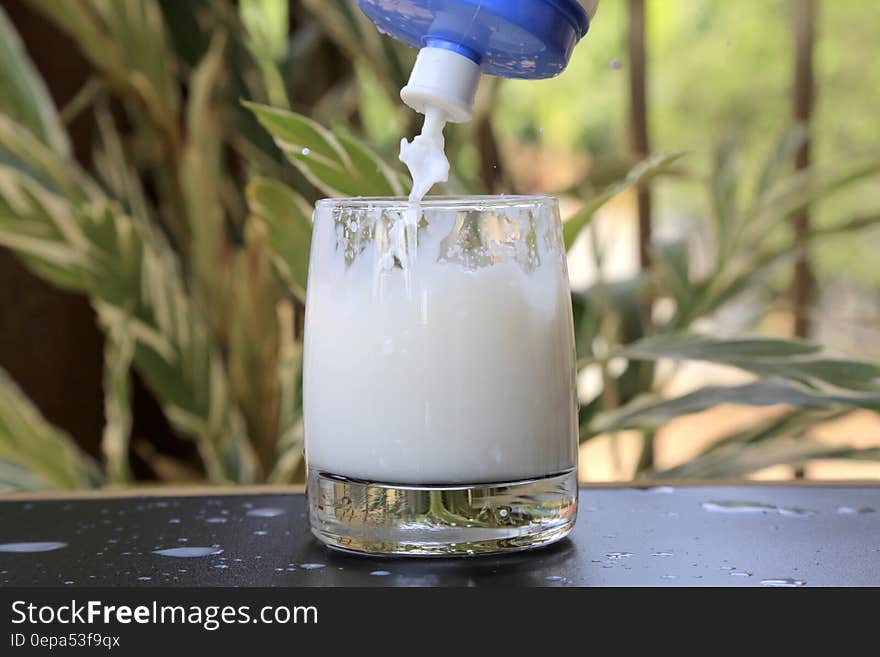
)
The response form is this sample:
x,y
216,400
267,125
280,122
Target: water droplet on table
x,y
553,578
311,566
799,513
188,552
144,579
215,521
39,546
618,555
783,582
662,554
739,573
854,510
380,573
265,512
753,507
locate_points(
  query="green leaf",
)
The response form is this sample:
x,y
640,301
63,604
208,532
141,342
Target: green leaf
x,y
768,357
788,144
33,453
267,24
254,344
377,174
23,95
734,461
690,346
792,423
118,356
586,320
289,451
201,179
653,414
805,188
673,269
133,278
42,231
267,21
22,150
723,186
638,174
336,165
127,41
287,218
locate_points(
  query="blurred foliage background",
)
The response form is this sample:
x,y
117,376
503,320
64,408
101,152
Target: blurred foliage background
x,y
717,165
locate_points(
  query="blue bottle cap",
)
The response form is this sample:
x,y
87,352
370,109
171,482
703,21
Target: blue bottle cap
x,y
507,38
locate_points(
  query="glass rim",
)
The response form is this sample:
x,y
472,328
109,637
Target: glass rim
x,y
476,201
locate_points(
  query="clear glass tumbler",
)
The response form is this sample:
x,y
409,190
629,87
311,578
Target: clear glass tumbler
x,y
439,392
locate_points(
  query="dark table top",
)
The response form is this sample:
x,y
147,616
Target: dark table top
x,y
685,536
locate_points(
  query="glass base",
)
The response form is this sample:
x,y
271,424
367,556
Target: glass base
x,y
389,519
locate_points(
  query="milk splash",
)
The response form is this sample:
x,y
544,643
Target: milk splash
x,y
425,157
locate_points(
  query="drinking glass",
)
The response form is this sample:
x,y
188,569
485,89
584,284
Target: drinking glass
x,y
440,407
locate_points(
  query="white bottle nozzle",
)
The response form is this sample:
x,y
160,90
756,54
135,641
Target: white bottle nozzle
x,y
443,79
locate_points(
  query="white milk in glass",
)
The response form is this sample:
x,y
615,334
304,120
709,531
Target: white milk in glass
x,y
442,355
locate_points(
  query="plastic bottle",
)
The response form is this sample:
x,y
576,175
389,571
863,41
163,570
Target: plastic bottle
x,y
460,40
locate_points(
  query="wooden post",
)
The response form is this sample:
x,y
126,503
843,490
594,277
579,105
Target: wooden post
x,y
803,284
638,121
640,147
803,95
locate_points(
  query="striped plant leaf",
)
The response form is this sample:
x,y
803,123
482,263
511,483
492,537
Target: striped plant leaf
x,y
266,24
127,41
253,351
23,95
335,163
201,178
134,281
118,356
289,451
286,217
33,453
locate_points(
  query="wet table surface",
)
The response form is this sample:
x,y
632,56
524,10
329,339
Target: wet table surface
x,y
686,536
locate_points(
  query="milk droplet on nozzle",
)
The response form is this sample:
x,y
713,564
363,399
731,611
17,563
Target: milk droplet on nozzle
x,y
425,155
